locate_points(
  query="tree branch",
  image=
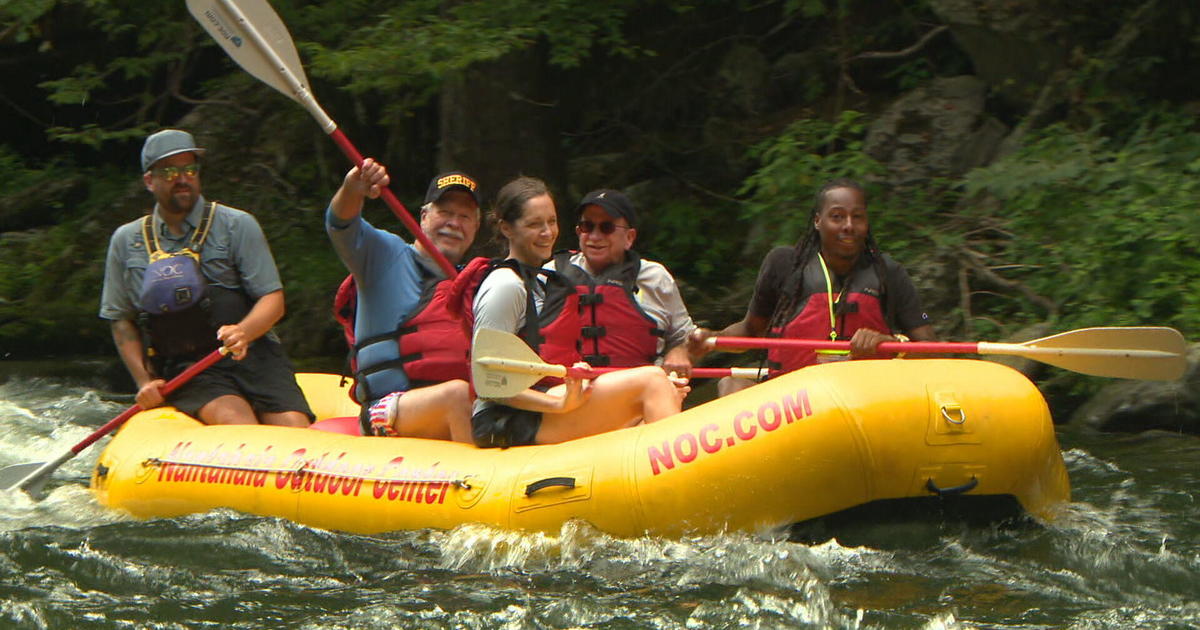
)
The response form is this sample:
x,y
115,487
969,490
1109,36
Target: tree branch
x,y
920,43
989,275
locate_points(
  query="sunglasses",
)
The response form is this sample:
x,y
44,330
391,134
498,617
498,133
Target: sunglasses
x,y
171,173
605,227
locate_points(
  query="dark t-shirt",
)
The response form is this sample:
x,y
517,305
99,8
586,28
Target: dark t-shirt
x,y
777,269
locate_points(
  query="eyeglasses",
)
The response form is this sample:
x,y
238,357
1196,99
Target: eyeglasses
x,y
171,173
605,227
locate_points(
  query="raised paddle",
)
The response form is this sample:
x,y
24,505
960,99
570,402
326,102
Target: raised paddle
x,y
253,35
1150,353
32,476
502,366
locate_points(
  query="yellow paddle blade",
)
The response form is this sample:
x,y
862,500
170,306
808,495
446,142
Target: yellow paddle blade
x,y
1138,352
502,366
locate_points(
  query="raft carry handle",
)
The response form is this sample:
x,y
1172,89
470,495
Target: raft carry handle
x,y
566,482
952,490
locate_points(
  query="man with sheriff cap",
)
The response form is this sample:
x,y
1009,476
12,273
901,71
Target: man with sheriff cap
x,y
632,311
191,276
410,355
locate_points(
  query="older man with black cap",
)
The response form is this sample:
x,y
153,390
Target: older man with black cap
x,y
410,354
633,312
187,278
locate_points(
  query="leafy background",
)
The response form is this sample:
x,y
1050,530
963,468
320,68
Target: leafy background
x,y
720,118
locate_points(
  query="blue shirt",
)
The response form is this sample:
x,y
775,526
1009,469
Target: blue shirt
x,y
390,274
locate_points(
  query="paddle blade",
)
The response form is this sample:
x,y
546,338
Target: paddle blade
x,y
1137,352
32,477
491,351
253,35
11,476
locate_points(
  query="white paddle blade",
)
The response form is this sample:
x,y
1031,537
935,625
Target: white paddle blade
x,y
253,35
502,366
1150,353
498,378
12,476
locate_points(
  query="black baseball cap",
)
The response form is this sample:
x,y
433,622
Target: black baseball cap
x,y
614,203
450,181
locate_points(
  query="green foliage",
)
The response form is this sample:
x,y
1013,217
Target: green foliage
x,y
410,47
116,93
20,17
806,8
1105,227
692,239
794,164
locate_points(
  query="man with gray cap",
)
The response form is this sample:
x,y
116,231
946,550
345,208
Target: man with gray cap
x,y
632,311
191,276
409,353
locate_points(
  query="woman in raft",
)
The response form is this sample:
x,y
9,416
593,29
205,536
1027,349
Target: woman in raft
x,y
518,296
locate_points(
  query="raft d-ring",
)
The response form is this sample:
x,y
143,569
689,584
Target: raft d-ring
x,y
962,415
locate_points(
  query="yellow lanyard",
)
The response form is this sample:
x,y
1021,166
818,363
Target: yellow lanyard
x,y
832,314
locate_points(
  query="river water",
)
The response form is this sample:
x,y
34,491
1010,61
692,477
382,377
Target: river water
x,y
1124,554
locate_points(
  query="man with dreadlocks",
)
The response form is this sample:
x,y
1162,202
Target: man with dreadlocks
x,y
833,284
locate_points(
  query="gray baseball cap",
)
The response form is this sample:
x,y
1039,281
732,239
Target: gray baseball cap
x,y
165,143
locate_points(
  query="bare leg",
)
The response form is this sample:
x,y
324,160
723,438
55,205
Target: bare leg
x,y
227,409
284,418
618,400
437,412
730,384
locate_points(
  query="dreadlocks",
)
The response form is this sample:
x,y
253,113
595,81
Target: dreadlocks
x,y
809,245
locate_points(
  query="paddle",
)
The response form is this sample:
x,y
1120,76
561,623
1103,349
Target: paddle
x,y
502,366
1145,352
253,35
32,476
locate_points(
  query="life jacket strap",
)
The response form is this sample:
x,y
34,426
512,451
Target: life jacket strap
x,y
195,244
598,360
593,332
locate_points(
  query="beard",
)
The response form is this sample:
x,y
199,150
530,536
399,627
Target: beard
x,y
182,198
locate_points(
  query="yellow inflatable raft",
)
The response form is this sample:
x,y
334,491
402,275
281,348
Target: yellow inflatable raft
x,y
815,442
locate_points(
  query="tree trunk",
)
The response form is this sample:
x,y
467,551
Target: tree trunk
x,y
501,119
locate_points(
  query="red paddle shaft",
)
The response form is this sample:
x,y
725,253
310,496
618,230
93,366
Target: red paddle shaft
x,y
918,347
166,389
398,209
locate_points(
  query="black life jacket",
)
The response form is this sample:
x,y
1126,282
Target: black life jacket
x,y
615,330
181,309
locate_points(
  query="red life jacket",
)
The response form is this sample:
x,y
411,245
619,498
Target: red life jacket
x,y
616,331
553,333
432,346
858,305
